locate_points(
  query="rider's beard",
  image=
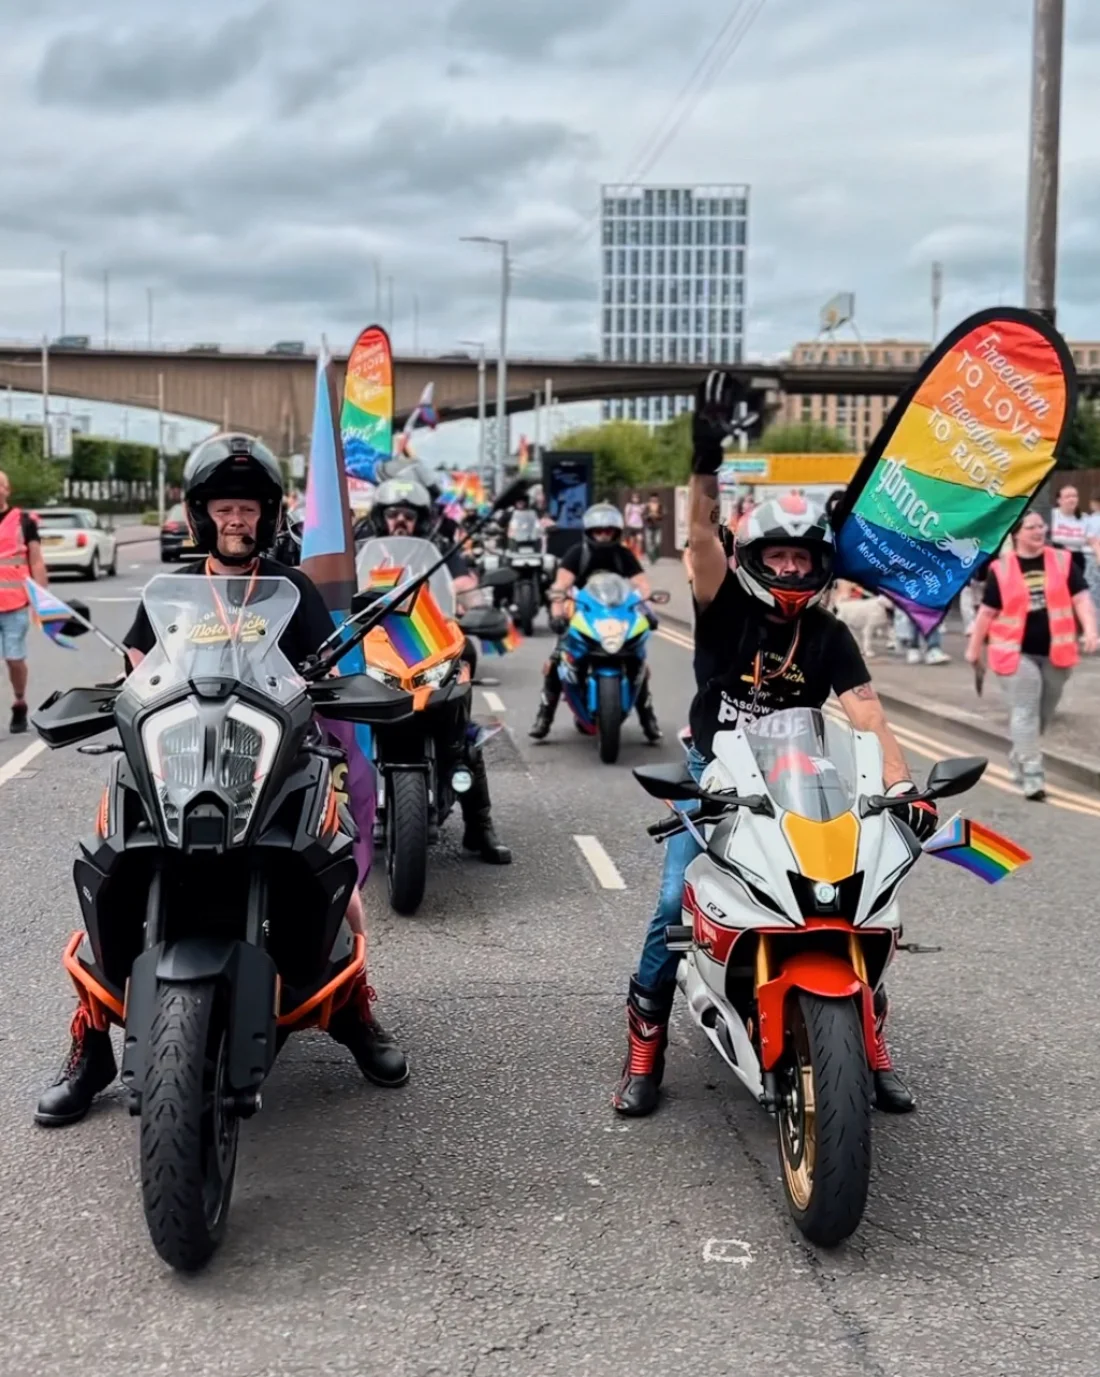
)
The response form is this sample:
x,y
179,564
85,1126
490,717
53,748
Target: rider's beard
x,y
236,543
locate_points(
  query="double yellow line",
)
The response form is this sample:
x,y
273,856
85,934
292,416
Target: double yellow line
x,y
931,748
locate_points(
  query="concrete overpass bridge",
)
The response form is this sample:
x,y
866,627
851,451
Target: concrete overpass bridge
x,y
272,394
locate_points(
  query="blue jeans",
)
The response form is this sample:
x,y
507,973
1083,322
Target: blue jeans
x,y
657,966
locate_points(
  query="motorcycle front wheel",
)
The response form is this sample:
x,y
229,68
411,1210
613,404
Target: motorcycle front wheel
x,y
407,839
609,716
824,1118
527,606
188,1131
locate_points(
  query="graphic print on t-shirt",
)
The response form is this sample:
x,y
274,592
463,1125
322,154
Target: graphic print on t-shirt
x,y
1036,583
785,690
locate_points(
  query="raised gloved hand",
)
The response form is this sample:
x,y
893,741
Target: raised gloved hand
x,y
922,818
712,421
559,624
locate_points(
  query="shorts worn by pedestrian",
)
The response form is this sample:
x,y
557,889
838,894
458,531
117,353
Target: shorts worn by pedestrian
x,y
20,559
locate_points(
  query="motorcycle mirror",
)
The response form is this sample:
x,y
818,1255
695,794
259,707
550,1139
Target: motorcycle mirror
x,y
518,488
672,782
659,598
950,777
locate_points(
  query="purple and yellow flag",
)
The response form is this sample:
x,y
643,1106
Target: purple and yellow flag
x,y
957,461
328,558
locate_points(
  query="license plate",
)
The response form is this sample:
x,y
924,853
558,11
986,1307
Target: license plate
x,y
187,544
52,540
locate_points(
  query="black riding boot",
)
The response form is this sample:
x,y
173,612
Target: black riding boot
x,y
376,1051
892,1095
88,1069
647,1015
647,714
477,812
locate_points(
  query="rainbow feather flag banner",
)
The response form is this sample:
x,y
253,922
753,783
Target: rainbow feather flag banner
x,y
418,635
958,459
366,419
977,848
51,614
328,558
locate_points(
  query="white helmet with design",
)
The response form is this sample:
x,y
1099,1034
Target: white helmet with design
x,y
788,521
603,516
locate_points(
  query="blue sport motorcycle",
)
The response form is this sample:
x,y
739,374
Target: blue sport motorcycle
x,y
602,657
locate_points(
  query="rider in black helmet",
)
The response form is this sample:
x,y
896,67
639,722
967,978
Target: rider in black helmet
x,y
233,496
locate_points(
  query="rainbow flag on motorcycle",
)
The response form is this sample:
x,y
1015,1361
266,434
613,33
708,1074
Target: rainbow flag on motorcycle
x,y
328,558
366,416
977,848
511,640
51,614
957,462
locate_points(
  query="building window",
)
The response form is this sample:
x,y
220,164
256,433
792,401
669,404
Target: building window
x,y
660,291
737,351
742,207
622,209
688,232
647,261
888,357
672,346
633,291
645,351
647,200
700,261
660,203
727,207
660,262
1094,357
725,322
739,235
608,263
712,263
727,350
661,230
807,408
674,261
647,317
633,349
607,346
685,289
725,290
685,322
620,232
725,262
674,202
700,357
842,357
699,326
620,290
727,232
620,349
607,292
622,260
633,320
647,292
907,358
701,289
635,207
608,232
608,207
738,322
607,321
712,233
739,263
634,260
633,232
647,232
712,322
659,350
620,320
674,232
660,321
673,294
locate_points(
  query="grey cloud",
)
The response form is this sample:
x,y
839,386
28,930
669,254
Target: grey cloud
x,y
526,31
128,69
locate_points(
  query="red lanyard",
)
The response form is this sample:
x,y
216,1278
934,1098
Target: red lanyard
x,y
233,634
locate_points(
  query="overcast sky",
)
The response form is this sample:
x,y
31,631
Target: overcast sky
x,y
251,163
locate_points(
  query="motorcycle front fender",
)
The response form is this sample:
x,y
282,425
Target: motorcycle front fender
x,y
817,973
245,972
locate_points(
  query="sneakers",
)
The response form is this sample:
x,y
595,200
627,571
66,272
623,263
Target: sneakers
x,y
18,719
912,656
88,1069
647,1015
937,657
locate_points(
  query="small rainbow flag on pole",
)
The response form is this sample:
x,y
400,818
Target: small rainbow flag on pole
x,y
418,635
51,614
978,849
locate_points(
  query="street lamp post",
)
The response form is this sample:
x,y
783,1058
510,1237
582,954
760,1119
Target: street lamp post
x,y
1042,188
479,345
502,356
149,314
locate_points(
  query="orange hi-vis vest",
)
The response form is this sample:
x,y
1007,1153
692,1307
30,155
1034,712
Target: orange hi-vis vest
x,y
1006,635
14,568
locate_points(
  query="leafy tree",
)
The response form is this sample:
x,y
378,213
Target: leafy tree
x,y
34,480
134,463
92,458
1082,447
625,453
673,444
802,437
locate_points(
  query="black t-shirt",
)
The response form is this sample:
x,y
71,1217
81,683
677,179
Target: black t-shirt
x,y
728,633
310,625
1037,627
601,559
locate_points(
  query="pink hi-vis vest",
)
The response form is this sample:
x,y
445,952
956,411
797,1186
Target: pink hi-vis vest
x,y
1006,635
14,568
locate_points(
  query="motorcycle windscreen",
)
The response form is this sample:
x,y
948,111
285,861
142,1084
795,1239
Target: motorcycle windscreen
x,y
217,628
524,526
387,562
807,761
610,589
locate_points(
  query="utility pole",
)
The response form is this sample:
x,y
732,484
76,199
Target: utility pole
x,y
481,398
937,297
502,357
389,307
377,290
149,315
160,448
46,394
62,291
416,324
106,308
1042,188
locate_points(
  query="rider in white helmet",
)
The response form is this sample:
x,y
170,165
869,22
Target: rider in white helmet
x,y
601,550
763,643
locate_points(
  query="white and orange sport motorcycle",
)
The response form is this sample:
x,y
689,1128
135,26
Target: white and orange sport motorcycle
x,y
790,920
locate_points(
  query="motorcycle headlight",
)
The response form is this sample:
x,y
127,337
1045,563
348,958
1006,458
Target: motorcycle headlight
x,y
612,634
173,747
435,676
384,676
247,748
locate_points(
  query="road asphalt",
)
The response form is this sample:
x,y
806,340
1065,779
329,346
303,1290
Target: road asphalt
x,y
494,1216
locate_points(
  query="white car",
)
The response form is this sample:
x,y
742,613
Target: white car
x,y
74,541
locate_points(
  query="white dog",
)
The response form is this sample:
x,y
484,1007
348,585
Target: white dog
x,y
863,614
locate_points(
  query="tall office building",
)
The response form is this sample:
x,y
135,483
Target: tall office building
x,y
672,282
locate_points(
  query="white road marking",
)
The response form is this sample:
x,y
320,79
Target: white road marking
x,y
133,597
134,566
493,701
730,1250
603,867
17,762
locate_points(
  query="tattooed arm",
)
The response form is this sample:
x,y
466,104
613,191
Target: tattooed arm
x,y
865,712
708,559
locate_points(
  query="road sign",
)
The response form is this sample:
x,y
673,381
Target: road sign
x,y
838,310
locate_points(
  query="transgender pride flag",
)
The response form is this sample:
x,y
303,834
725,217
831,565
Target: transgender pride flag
x,y
51,614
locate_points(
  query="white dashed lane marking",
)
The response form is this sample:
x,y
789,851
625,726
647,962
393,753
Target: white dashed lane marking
x,y
600,863
493,701
17,762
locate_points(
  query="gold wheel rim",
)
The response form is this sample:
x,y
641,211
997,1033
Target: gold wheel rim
x,y
798,1125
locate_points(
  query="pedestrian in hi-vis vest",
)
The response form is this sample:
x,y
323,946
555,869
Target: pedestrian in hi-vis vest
x,y
20,559
1035,596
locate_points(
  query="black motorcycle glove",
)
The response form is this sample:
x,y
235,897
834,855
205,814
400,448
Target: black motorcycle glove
x,y
559,625
712,420
922,818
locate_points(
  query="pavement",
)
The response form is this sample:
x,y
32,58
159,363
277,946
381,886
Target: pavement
x,y
945,695
494,1218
